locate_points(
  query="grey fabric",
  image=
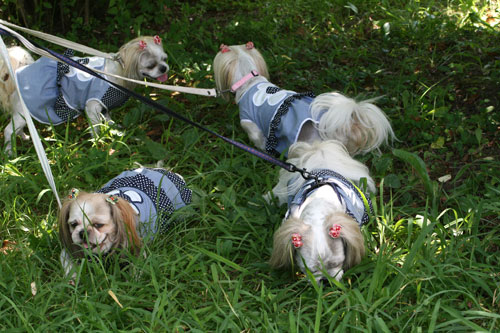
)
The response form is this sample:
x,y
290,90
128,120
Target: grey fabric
x,y
154,193
279,114
57,93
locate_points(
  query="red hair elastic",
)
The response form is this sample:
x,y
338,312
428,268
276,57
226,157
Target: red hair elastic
x,y
334,231
297,240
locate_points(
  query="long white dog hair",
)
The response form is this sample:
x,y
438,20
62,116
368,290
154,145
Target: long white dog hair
x,y
361,126
330,155
321,254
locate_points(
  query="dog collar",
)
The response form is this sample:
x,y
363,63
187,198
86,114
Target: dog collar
x,y
243,80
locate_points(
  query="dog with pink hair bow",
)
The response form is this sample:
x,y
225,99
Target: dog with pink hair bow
x,y
321,230
56,93
276,118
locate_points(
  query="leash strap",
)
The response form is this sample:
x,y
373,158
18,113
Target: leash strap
x,y
282,164
90,51
37,143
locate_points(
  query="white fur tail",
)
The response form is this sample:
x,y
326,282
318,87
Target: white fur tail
x,y
361,126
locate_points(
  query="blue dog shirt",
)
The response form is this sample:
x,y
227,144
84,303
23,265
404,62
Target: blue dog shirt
x,y
279,114
55,93
153,193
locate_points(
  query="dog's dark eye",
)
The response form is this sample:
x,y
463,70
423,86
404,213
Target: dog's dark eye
x,y
73,225
98,225
151,66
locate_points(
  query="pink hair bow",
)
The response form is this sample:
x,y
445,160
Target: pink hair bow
x,y
297,240
249,45
224,48
157,39
334,231
142,45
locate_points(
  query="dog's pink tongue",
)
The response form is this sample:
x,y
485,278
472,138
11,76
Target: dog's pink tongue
x,y
162,78
85,245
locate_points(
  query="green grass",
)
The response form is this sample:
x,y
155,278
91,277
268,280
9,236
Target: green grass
x,y
432,259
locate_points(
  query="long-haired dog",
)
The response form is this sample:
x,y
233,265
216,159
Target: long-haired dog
x,y
136,204
274,119
321,229
56,93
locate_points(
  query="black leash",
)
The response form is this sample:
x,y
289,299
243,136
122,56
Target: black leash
x,y
282,164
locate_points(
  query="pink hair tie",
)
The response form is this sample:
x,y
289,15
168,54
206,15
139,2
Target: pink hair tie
x,y
157,39
297,240
334,231
142,45
249,45
224,48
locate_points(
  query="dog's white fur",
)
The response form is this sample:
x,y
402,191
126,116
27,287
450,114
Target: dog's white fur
x,y
321,254
360,126
91,222
132,62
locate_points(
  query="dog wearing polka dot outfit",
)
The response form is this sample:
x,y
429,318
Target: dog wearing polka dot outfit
x,y
275,118
321,231
56,93
135,205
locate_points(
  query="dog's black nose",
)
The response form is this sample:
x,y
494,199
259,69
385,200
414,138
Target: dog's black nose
x,y
81,234
163,69
324,281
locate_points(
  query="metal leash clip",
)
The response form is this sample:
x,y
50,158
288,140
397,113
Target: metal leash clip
x,y
304,173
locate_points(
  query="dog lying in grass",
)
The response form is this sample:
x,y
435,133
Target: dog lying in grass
x,y
56,93
136,204
321,230
274,119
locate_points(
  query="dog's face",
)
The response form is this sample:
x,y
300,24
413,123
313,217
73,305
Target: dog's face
x,y
93,222
153,62
144,57
319,237
325,248
322,254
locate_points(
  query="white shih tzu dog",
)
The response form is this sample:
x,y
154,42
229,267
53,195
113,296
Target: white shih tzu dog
x,y
136,204
321,229
56,93
274,119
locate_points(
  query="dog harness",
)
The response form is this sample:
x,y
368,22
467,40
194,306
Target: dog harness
x,y
357,204
153,193
56,93
279,114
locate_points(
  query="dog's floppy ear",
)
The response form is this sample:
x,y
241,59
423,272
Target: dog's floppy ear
x,y
62,222
292,233
125,220
129,54
341,225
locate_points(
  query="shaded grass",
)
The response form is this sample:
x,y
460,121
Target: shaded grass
x,y
431,265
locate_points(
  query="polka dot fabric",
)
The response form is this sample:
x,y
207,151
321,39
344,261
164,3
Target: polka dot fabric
x,y
155,187
114,98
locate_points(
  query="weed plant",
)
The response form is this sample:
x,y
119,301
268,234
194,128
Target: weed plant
x,y
432,259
